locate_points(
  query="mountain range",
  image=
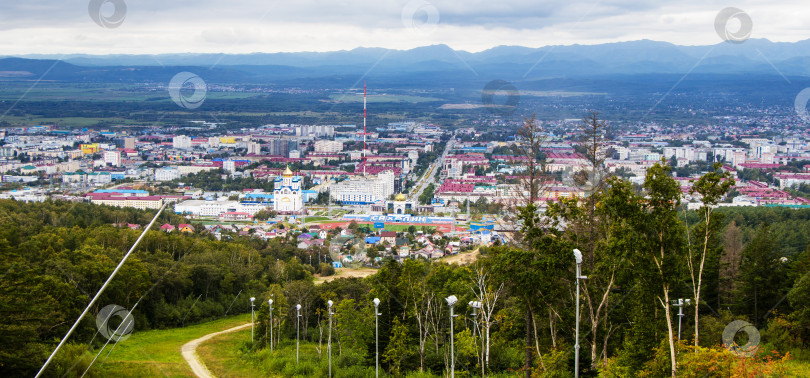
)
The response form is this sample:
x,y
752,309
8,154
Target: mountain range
x,y
436,64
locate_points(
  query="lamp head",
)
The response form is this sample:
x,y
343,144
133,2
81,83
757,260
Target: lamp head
x,y
298,307
451,300
376,302
252,299
329,303
270,302
475,306
578,256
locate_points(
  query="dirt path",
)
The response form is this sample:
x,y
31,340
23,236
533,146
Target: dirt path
x,y
346,273
465,258
190,354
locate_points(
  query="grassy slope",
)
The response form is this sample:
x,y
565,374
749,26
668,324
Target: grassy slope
x,y
157,352
222,355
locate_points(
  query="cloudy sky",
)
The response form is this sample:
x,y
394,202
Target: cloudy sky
x,y
244,26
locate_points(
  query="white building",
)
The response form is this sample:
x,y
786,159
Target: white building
x,y
203,208
315,131
229,166
112,158
328,146
287,193
687,153
254,148
181,142
166,174
364,190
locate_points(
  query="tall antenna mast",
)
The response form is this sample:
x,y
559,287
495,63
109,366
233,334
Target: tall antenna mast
x,y
364,128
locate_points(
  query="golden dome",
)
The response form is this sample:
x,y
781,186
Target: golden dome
x,y
288,172
400,197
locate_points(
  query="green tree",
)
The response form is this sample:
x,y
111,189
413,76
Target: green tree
x,y
398,349
711,187
762,274
664,242
427,194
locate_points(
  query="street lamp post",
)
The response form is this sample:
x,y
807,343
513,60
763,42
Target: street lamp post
x,y
329,340
679,304
579,276
252,319
297,332
475,307
451,301
270,318
376,302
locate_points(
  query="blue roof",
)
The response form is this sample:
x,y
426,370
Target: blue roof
x,y
258,195
372,240
128,191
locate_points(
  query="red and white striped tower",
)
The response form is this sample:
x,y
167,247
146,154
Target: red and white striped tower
x,y
364,129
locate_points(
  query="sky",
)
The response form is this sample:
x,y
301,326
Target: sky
x,y
247,26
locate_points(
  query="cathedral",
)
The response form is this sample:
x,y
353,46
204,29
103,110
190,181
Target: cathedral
x,y
401,205
287,197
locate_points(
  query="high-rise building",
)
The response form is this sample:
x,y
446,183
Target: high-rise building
x,y
181,142
129,143
328,146
112,157
254,148
281,147
317,131
364,190
229,166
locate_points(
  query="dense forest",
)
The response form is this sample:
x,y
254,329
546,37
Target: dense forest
x,y
54,256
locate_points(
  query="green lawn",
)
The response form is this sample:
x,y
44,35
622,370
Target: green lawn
x,y
316,219
404,227
224,355
798,368
157,353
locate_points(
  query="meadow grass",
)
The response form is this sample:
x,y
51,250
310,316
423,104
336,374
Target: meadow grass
x,y
157,352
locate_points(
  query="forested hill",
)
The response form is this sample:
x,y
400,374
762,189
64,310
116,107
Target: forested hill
x,y
54,257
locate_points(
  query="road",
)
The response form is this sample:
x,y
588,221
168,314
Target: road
x,y
190,355
430,176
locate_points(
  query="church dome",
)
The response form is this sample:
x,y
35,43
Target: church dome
x,y
400,197
287,172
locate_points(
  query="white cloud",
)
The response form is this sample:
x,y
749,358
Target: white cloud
x,y
151,26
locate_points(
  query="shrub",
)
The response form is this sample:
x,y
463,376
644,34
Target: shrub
x,y
327,270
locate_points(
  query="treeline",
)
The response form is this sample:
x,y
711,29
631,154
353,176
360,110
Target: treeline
x,y
213,181
54,257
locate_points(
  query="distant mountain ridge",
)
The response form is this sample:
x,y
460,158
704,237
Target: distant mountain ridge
x,y
758,56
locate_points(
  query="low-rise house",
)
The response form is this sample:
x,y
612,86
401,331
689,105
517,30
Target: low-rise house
x,y
388,237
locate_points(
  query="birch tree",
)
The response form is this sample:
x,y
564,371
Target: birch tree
x,y
711,187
